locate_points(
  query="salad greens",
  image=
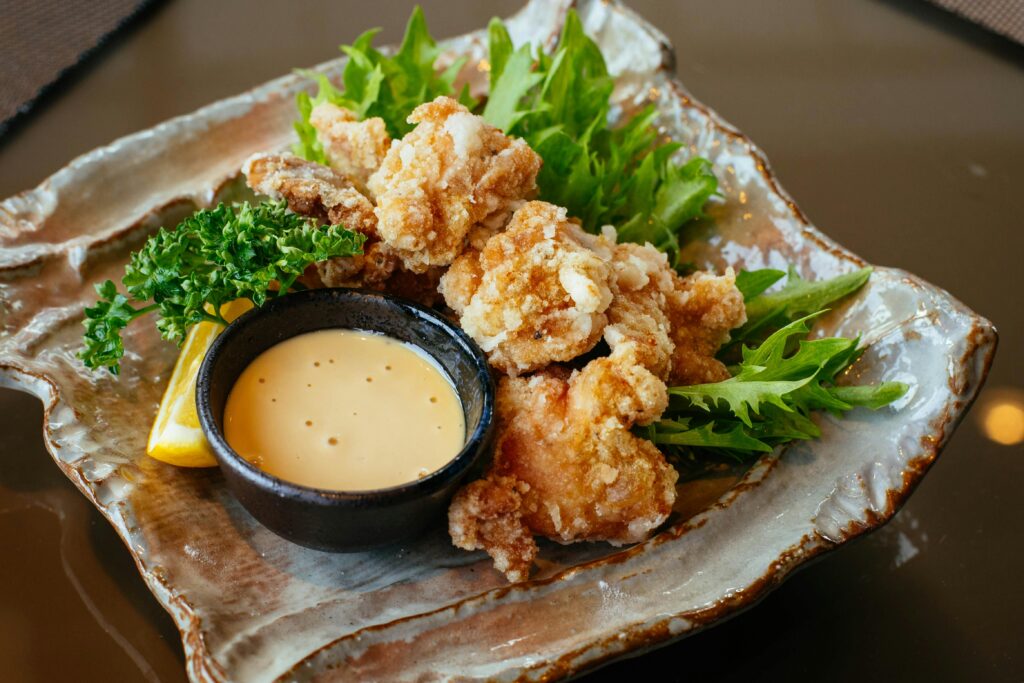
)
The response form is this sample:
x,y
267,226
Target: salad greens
x,y
623,176
212,258
379,85
777,383
770,397
799,297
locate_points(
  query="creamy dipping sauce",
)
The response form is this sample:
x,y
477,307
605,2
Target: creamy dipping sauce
x,y
345,410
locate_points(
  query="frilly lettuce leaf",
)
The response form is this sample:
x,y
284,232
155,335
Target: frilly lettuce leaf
x,y
625,176
376,84
770,397
768,311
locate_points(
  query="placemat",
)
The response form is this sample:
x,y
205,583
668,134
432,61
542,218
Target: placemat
x,y
41,40
1005,17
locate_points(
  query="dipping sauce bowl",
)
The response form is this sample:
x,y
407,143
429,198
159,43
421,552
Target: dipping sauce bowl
x,y
346,520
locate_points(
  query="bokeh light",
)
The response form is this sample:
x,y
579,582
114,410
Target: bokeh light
x,y
1001,416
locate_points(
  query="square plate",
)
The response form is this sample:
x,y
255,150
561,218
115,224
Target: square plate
x,y
253,607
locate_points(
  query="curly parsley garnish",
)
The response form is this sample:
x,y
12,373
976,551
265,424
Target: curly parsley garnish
x,y
211,258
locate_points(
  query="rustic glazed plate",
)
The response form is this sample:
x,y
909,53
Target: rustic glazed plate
x,y
253,607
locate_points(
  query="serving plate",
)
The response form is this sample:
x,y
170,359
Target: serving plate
x,y
253,607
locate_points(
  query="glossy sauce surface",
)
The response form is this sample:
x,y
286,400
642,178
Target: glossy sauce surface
x,y
345,410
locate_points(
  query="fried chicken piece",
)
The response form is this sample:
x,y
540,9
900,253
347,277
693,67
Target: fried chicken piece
x,y
566,465
378,268
485,515
312,190
372,268
451,173
537,292
677,324
462,280
353,148
319,192
322,193
642,276
702,309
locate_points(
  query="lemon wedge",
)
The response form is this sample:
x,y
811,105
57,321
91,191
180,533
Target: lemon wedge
x,y
176,437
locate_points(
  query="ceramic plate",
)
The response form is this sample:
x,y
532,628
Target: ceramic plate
x,y
253,607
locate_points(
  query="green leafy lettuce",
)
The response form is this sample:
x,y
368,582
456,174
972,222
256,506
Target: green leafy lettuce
x,y
768,311
770,397
380,85
212,258
625,176
780,377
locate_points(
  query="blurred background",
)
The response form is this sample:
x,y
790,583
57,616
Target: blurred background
x,y
897,125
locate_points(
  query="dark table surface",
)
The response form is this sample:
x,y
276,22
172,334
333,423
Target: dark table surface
x,y
897,128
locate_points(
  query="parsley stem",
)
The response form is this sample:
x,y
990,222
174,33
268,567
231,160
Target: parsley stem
x,y
144,310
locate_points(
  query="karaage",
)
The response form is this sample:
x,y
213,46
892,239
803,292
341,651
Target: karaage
x,y
452,173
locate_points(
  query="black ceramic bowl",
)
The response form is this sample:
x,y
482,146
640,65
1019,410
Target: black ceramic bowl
x,y
333,520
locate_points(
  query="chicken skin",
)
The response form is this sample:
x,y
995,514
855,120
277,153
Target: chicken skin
x,y
312,190
537,292
452,173
566,465
353,148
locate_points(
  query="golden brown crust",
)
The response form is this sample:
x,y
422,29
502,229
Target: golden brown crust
x,y
642,277
676,323
312,190
353,148
452,173
461,281
537,292
485,515
565,448
702,308
319,192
